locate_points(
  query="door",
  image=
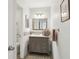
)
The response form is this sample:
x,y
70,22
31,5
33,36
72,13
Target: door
x,y
11,29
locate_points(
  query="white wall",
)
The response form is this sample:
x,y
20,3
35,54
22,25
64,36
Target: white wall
x,y
64,40
19,22
64,33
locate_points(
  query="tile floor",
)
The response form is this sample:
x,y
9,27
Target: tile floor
x,y
34,56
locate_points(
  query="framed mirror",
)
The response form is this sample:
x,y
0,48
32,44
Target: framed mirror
x,y
39,24
65,10
26,22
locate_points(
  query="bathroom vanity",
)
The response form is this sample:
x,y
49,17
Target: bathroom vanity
x,y
39,44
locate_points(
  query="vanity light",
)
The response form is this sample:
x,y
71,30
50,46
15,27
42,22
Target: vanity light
x,y
40,16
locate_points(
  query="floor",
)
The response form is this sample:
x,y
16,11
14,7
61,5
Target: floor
x,y
36,56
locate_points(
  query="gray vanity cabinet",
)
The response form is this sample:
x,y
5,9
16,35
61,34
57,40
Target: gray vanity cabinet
x,y
39,44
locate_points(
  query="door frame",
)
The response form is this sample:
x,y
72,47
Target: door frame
x,y
12,29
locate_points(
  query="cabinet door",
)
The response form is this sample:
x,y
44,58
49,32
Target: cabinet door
x,y
34,44
44,45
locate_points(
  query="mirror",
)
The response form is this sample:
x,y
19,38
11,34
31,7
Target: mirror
x,y
39,24
26,21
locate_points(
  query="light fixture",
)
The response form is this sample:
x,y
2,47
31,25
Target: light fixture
x,y
40,15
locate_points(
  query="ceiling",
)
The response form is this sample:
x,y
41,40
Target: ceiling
x,y
34,3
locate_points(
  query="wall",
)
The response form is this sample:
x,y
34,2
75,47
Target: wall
x,y
19,22
64,40
64,33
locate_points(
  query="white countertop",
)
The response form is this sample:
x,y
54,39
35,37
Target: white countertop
x,y
40,35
